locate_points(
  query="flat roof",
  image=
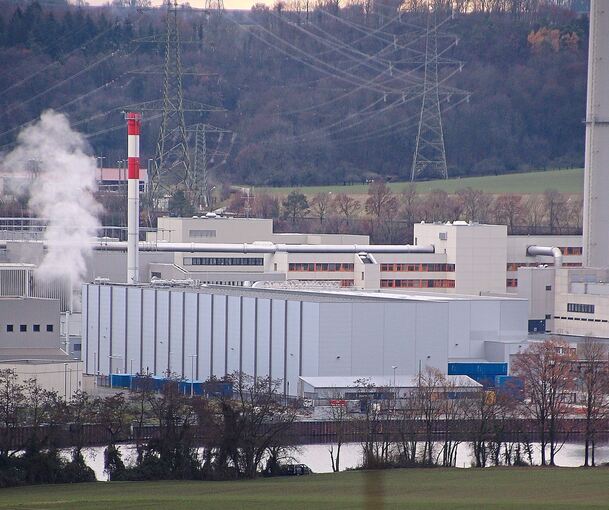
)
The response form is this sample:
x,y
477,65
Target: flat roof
x,y
381,381
319,295
33,355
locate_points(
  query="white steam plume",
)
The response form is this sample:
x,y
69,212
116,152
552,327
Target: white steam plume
x,y
62,192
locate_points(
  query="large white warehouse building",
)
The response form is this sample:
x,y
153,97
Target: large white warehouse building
x,y
199,332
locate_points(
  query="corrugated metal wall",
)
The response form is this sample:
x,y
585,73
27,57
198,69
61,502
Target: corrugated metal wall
x,y
204,333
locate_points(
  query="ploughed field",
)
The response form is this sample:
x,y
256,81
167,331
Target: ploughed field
x,y
568,181
491,488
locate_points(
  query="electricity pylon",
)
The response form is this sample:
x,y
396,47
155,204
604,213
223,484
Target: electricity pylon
x,y
172,165
429,159
199,177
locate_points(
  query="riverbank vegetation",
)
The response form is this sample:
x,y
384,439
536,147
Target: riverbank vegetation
x,y
251,430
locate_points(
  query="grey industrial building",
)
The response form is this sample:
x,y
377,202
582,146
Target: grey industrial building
x,y
202,331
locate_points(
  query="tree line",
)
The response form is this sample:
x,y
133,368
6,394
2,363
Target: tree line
x,y
295,83
246,434
388,216
194,437
514,425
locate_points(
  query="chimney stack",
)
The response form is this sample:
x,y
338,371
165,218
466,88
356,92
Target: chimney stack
x,y
596,175
134,122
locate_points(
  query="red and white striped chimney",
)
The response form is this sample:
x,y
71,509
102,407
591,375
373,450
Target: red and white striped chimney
x,y
134,122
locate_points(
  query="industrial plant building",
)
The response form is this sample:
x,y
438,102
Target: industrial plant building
x,y
30,344
378,387
203,331
457,257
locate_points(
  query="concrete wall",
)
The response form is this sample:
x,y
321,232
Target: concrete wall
x,y
581,286
64,378
29,312
479,253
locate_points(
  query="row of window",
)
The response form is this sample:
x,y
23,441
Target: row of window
x,y
304,266
438,268
10,328
202,233
418,284
513,266
580,308
580,319
223,261
571,250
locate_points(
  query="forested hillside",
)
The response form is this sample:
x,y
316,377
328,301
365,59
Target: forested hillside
x,y
315,96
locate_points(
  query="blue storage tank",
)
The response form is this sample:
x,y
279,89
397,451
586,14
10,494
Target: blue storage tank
x,y
483,373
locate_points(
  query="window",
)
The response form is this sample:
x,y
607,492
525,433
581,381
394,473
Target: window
x,y
548,287
224,261
321,267
23,328
418,284
202,233
9,328
49,328
512,282
580,308
155,274
77,347
417,268
548,316
36,328
571,250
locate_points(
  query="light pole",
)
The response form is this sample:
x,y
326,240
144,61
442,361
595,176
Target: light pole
x,y
192,373
65,381
395,388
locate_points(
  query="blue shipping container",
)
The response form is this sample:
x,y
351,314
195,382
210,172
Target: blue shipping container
x,y
120,381
483,373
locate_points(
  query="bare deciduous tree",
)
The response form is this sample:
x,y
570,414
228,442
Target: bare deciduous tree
x,y
347,206
508,210
475,204
594,381
547,371
321,206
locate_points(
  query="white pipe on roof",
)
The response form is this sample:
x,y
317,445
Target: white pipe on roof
x,y
267,248
546,251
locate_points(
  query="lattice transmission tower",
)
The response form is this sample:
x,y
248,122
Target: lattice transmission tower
x,y
429,159
172,166
202,159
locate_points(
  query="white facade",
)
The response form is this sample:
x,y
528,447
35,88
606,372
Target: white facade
x,y
64,377
287,334
401,385
582,302
468,258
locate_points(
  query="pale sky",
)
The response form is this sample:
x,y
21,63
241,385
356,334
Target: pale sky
x,y
228,4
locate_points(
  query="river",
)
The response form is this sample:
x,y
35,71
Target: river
x,y
317,456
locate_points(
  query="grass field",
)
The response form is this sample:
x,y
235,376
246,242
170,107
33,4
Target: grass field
x,y
383,490
565,181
